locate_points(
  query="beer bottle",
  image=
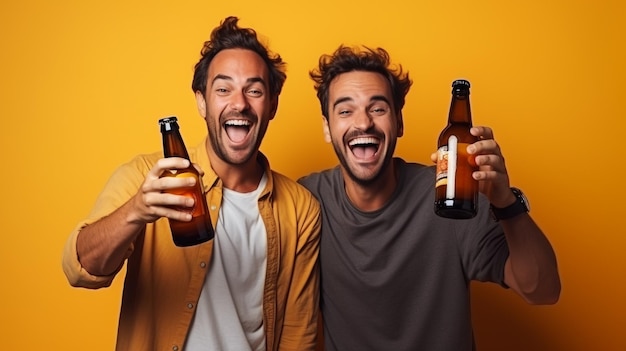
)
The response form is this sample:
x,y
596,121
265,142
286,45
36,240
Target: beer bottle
x,y
456,192
199,229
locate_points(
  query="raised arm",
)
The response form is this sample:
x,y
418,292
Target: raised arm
x,y
531,269
103,245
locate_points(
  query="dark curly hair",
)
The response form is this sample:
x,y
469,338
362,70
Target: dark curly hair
x,y
230,36
347,59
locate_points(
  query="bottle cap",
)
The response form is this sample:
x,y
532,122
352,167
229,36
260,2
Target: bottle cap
x,y
168,123
461,82
461,87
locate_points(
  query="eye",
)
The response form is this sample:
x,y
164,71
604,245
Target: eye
x,y
221,91
255,89
255,92
379,110
344,112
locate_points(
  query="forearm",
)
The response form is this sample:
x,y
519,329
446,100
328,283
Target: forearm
x,y
531,269
102,246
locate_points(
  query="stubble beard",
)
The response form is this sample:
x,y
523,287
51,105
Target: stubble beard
x,y
215,135
223,155
378,174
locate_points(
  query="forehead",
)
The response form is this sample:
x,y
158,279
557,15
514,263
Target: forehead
x,y
238,63
357,86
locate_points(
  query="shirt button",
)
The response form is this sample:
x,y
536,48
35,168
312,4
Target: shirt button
x,y
213,207
189,305
202,264
175,348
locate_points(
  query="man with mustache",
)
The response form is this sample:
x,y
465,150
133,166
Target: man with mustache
x,y
395,276
255,286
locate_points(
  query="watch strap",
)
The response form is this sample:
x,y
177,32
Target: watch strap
x,y
518,207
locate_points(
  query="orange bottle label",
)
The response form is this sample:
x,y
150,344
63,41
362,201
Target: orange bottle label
x,y
442,167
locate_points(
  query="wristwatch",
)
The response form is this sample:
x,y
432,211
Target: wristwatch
x,y
520,206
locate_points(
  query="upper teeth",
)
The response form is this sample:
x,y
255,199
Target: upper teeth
x,y
363,140
237,122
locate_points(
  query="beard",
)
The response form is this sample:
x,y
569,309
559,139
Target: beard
x,y
363,180
218,144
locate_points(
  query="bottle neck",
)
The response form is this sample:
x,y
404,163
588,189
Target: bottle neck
x,y
173,145
460,111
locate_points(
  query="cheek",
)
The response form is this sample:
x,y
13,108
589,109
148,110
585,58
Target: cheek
x,y
390,127
216,108
217,104
335,131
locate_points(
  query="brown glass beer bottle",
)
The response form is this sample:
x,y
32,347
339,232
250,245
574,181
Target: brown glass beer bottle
x,y
456,192
199,229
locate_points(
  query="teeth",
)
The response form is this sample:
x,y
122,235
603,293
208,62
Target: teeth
x,y
237,122
364,141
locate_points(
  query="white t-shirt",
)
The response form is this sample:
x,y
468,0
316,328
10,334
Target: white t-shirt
x,y
229,315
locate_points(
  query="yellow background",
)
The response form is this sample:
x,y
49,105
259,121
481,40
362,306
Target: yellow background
x,y
83,83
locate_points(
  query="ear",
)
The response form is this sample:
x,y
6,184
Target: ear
x,y
326,130
201,102
273,107
400,125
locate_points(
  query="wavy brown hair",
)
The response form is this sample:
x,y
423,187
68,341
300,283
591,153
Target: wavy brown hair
x,y
230,36
347,59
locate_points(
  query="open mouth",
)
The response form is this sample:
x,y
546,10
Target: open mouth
x,y
364,147
237,129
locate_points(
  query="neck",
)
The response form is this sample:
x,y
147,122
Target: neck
x,y
242,178
372,196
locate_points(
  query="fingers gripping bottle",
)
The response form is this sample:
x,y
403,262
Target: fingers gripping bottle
x,y
456,192
199,229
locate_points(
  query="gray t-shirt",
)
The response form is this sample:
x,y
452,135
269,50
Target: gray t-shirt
x,y
398,278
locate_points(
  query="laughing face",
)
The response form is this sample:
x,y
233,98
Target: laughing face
x,y
362,125
237,105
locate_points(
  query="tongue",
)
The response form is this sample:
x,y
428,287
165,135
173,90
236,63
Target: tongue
x,y
237,134
364,151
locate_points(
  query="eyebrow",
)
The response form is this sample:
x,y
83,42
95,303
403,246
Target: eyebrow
x,y
229,78
372,99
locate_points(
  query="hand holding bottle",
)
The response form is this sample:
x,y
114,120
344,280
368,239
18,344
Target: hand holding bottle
x,y
456,191
492,175
199,229
153,200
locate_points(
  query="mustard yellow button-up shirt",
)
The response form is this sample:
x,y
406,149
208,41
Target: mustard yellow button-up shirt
x,y
163,282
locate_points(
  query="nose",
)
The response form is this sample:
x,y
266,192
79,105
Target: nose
x,y
362,120
239,101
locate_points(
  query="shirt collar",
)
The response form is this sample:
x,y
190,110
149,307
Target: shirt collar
x,y
210,178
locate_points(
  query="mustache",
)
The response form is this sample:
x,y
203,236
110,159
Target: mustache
x,y
234,114
358,133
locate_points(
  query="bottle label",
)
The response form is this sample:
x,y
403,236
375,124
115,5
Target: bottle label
x,y
442,166
446,166
454,170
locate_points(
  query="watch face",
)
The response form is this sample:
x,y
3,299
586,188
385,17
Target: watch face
x,y
521,195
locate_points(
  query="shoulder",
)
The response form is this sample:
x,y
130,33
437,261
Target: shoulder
x,y
283,184
148,160
291,196
128,176
139,164
322,181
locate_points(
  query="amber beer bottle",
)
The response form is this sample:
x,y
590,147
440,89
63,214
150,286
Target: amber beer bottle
x,y
455,190
199,229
